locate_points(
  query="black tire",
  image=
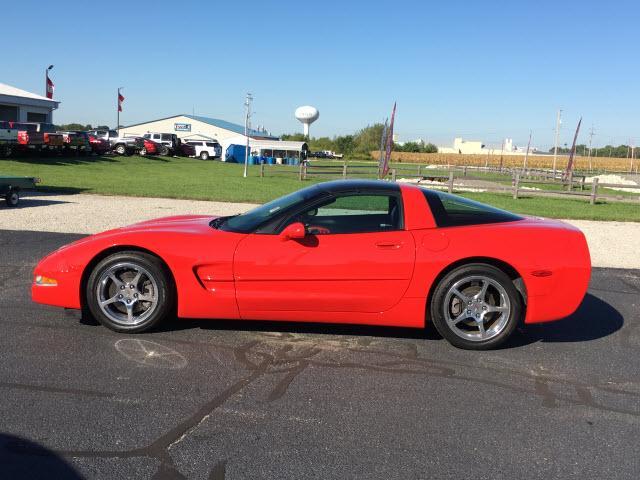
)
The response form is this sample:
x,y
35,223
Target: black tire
x,y
164,151
163,289
499,324
12,197
204,155
143,152
120,149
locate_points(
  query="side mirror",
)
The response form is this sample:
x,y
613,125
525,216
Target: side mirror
x,y
295,231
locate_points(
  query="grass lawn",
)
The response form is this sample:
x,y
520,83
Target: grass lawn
x,y
212,180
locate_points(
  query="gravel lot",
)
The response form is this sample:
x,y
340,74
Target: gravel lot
x,y
612,244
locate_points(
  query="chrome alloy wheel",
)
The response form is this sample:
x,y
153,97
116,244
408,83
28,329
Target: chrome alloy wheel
x,y
477,308
127,294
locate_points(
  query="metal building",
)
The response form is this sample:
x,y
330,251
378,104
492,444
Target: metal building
x,y
18,105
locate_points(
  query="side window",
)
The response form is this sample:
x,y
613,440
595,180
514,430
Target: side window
x,y
451,211
146,135
166,137
156,136
353,213
211,144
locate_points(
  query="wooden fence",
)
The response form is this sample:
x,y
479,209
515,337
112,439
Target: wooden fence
x,y
574,186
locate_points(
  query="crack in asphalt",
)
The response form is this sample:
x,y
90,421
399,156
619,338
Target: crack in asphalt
x,y
285,356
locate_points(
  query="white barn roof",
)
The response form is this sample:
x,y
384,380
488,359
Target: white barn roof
x,y
10,91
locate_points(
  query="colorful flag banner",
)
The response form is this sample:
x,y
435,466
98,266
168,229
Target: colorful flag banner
x,y
383,142
384,170
49,86
120,100
572,153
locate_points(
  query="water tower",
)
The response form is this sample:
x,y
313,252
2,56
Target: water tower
x,y
307,115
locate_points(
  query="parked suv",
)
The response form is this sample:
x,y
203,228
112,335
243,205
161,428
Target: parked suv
x,y
206,149
169,141
120,145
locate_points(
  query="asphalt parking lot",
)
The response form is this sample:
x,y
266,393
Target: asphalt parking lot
x,y
214,399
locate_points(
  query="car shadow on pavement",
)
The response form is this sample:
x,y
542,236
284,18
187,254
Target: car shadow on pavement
x,y
24,459
594,319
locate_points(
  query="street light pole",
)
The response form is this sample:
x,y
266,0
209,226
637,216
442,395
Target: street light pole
x,y
247,104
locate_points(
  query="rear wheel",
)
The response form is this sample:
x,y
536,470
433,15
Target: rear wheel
x,y
120,149
164,151
476,307
12,198
129,292
204,155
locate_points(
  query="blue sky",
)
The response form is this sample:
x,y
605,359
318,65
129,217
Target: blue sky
x,y
481,70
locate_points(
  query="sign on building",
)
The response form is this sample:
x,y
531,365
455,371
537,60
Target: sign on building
x,y
182,127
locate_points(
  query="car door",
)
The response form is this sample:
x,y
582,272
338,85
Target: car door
x,y
356,257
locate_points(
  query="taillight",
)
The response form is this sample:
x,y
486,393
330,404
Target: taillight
x,y
23,138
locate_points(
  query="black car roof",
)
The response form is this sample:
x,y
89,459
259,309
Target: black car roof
x,y
351,185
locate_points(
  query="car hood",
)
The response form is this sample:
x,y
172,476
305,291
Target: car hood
x,y
177,223
184,224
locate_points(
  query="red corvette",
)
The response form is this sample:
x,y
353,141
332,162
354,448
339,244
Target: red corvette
x,y
361,252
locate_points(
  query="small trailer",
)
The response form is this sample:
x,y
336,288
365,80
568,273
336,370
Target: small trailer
x,y
10,188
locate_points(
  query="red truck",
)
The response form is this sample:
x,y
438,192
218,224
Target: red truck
x,y
37,136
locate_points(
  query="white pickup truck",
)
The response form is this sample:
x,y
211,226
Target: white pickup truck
x,y
8,138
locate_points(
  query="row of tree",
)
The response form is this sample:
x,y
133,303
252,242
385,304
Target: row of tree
x,y
621,151
70,127
361,142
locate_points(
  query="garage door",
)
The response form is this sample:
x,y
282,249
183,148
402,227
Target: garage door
x,y
8,113
36,117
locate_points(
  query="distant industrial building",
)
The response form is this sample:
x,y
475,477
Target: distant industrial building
x,y
473,147
18,105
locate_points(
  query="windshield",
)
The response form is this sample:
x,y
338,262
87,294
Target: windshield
x,y
248,222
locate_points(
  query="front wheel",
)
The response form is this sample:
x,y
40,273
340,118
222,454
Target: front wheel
x,y
120,149
129,292
164,151
204,155
476,307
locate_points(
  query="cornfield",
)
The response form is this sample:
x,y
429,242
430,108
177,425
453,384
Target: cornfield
x,y
605,164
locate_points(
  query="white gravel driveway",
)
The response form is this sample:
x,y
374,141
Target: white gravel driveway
x,y
612,244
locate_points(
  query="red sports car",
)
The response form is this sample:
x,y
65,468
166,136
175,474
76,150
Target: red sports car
x,y
360,252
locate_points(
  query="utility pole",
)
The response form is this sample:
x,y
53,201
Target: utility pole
x,y
247,104
591,134
555,148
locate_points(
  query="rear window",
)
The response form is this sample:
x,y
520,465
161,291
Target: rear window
x,y
192,143
450,210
